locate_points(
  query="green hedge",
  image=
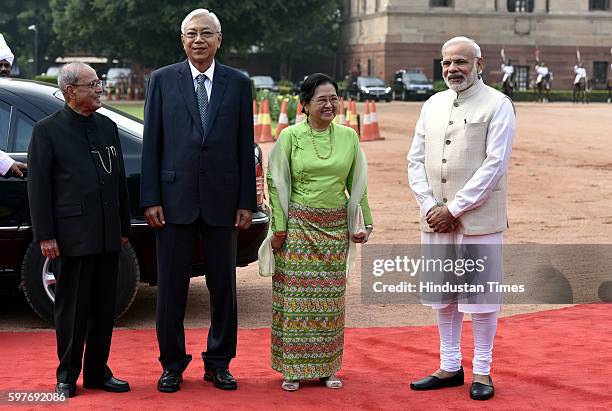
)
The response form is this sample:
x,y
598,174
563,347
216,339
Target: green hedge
x,y
597,96
47,79
275,100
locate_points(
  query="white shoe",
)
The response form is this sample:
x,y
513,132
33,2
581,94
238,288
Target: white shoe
x,y
332,381
291,385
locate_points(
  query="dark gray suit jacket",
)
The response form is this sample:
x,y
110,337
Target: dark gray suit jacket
x,y
191,171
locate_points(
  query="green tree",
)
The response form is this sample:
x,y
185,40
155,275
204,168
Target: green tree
x,y
15,18
302,27
148,31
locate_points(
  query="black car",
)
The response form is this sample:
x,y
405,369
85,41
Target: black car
x,y
412,85
368,88
22,266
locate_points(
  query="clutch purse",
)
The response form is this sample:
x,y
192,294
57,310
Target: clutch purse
x,y
358,223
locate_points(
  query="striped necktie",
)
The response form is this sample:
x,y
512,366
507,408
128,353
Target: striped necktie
x,y
202,100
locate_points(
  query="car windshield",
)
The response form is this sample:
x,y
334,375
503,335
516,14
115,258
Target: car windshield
x,y
125,121
370,82
416,78
116,72
263,81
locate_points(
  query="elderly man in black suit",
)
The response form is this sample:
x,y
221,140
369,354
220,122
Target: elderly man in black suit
x,y
198,176
80,216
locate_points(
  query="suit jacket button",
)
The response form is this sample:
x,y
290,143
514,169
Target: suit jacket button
x,y
444,180
456,104
443,160
450,123
444,200
448,142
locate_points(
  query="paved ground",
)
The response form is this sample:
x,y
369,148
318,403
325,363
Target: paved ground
x,y
559,194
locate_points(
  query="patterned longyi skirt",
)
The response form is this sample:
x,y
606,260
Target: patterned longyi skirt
x,y
308,291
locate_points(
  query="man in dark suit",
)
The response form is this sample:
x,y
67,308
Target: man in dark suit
x,y
80,216
198,176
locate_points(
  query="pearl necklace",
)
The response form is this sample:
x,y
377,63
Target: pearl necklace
x,y
331,142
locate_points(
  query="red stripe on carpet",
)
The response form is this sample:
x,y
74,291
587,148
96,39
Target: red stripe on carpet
x,y
554,359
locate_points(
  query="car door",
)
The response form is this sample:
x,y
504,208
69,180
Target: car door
x,y
14,210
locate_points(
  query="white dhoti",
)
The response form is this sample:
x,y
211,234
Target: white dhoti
x,y
484,316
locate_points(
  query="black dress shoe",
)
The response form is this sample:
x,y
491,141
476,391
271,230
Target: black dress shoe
x,y
433,383
67,389
482,392
170,381
112,384
222,378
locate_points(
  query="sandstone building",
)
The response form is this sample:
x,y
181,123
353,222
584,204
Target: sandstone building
x,y
382,36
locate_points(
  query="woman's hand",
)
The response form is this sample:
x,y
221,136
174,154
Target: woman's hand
x,y
278,240
362,237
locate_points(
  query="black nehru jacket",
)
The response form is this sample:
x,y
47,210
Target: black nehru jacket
x,y
73,197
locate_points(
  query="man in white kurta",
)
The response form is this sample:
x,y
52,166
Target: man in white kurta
x,y
457,171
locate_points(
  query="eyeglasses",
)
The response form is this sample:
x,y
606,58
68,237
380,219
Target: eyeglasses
x,y
94,84
192,35
458,62
321,101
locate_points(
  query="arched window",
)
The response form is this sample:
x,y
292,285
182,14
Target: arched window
x,y
520,6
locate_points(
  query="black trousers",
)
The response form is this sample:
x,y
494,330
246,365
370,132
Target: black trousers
x,y
85,292
175,245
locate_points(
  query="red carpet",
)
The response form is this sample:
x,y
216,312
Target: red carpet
x,y
558,359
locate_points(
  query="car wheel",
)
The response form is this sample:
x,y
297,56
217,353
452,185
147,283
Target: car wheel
x,y
38,281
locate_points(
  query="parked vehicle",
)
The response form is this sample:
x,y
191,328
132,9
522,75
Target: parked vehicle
x,y
264,83
117,75
412,84
22,266
368,88
52,71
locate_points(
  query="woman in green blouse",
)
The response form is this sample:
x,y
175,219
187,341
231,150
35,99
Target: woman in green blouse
x,y
312,168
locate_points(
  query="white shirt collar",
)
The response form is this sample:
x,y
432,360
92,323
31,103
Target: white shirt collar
x,y
209,72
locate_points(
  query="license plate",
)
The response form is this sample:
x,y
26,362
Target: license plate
x,y
421,91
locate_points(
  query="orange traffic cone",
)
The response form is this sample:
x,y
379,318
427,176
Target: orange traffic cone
x,y
299,116
352,121
366,124
266,124
256,123
283,119
375,131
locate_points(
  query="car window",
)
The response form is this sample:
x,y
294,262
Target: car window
x,y
418,78
371,81
5,118
23,133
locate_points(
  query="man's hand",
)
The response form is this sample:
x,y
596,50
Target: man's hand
x,y
243,218
17,167
154,216
362,237
49,249
441,220
278,240
124,240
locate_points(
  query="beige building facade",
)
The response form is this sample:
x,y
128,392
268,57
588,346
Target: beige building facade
x,y
382,36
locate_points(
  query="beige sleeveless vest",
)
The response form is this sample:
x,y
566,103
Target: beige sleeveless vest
x,y
455,144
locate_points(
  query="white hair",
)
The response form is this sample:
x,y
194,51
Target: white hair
x,y
199,12
464,40
69,74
